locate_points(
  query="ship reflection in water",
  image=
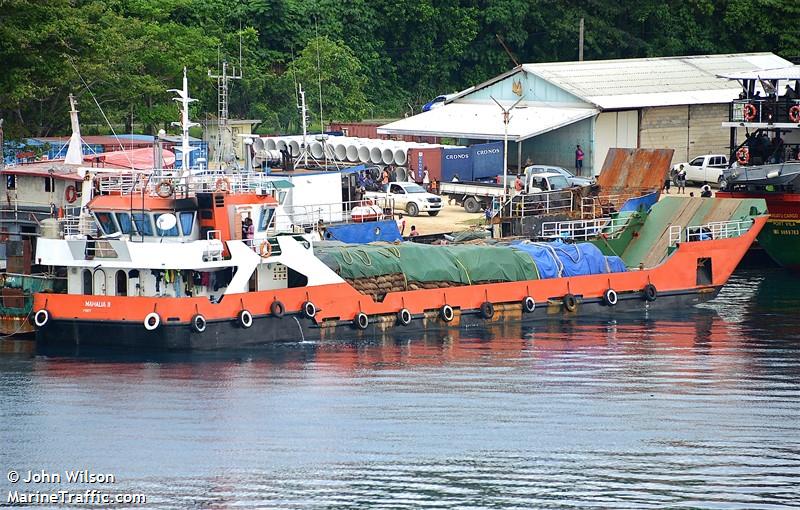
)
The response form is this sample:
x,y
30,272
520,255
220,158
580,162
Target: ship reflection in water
x,y
699,409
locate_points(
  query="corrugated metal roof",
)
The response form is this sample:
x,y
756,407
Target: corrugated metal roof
x,y
662,81
485,121
783,73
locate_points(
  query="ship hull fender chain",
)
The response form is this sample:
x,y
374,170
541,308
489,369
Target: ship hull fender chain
x,y
199,323
528,304
361,321
570,302
610,297
245,319
404,317
447,313
152,321
309,310
41,318
487,310
277,309
650,292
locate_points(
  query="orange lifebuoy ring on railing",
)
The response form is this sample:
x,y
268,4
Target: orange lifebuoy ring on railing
x,y
222,184
794,113
265,250
70,194
366,203
749,112
164,189
743,155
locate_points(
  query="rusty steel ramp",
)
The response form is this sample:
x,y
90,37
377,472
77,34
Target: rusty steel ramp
x,y
639,169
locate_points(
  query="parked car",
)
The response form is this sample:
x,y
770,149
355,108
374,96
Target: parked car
x,y
409,197
706,169
573,179
436,102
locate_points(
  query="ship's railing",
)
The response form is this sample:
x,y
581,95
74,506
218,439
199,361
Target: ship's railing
x,y
709,231
537,204
78,226
300,218
167,183
602,205
767,110
583,230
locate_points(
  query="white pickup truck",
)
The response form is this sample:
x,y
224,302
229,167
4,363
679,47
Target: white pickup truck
x,y
409,197
705,169
476,196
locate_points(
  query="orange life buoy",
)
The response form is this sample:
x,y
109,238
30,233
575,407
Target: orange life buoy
x,y
794,113
165,189
743,155
265,250
222,184
749,112
70,193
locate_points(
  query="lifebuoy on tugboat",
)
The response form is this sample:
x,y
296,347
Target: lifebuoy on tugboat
x,y
222,184
41,318
749,112
152,321
794,113
71,194
743,155
165,189
265,250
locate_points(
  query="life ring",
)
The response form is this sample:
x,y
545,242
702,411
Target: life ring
x,y
245,319
650,292
487,310
749,112
152,321
447,313
222,184
199,323
404,317
794,113
165,189
366,203
309,310
361,321
41,318
528,304
265,250
610,297
71,194
277,309
570,303
743,155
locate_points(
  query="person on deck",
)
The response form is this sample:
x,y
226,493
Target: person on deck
x,y
705,191
401,224
413,232
518,185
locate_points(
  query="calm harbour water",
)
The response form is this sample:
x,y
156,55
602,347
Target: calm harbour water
x,y
696,410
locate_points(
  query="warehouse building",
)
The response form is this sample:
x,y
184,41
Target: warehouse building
x,y
668,102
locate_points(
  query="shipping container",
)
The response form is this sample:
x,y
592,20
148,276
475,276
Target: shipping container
x,y
457,162
487,160
421,158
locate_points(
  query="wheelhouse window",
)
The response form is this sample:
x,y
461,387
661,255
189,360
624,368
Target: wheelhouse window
x,y
106,222
125,224
11,182
172,232
187,222
143,224
266,218
49,185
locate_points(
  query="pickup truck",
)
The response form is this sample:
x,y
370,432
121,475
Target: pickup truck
x,y
705,169
409,197
476,196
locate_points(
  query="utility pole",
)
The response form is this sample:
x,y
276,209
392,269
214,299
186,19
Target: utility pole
x,y
506,120
580,42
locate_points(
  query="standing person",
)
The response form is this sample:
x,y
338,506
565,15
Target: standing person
x,y
667,184
410,177
681,177
518,185
426,179
578,160
386,176
401,224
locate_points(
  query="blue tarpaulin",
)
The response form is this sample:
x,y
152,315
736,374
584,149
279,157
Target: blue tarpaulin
x,y
362,233
557,259
642,203
487,160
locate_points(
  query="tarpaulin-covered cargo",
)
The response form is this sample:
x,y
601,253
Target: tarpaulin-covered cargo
x,y
557,259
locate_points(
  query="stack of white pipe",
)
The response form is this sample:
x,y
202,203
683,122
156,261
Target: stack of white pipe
x,y
344,148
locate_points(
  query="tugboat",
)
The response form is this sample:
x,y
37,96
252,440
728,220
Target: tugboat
x,y
768,160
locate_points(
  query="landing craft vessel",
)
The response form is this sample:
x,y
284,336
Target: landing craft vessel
x,y
178,272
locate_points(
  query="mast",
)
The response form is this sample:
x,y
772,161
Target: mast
x,y
74,151
183,99
223,152
304,121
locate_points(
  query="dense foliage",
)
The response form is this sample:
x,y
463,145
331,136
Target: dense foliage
x,y
373,57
